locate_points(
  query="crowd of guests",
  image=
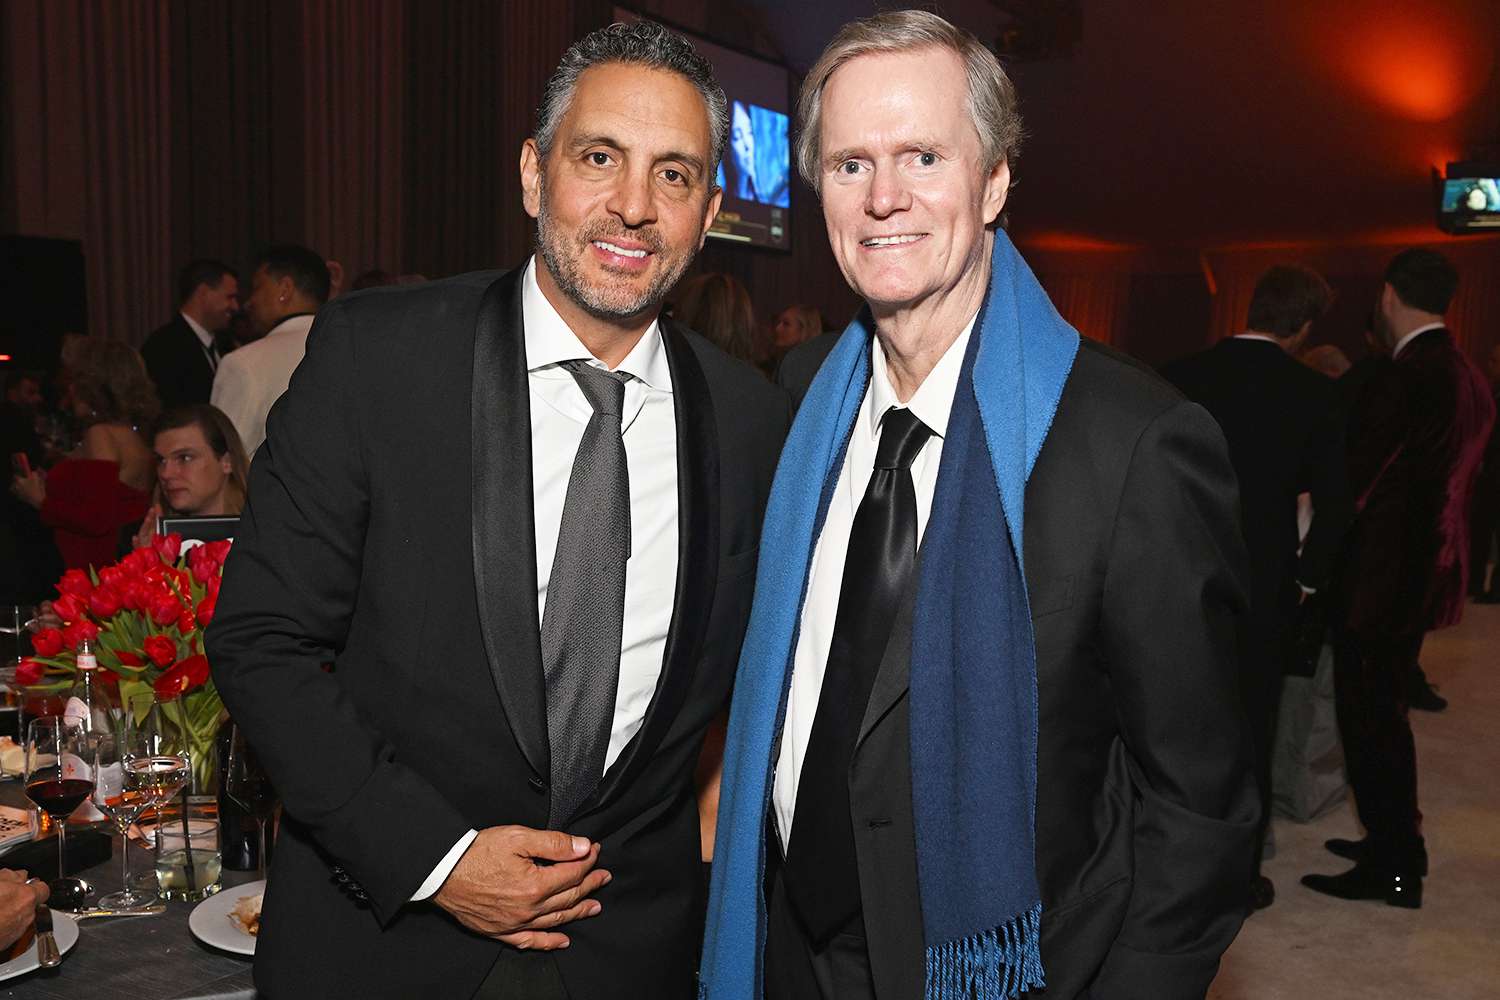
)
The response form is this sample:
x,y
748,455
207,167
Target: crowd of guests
x,y
119,439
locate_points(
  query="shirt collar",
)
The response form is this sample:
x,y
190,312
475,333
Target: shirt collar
x,y
933,400
1401,344
550,341
204,337
1257,336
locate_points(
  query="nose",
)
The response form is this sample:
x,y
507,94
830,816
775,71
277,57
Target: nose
x,y
887,195
632,200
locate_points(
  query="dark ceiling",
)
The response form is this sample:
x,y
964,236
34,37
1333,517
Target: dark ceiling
x,y
1231,122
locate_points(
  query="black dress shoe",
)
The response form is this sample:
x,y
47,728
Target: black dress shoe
x,y
1365,881
1422,697
1358,851
1262,893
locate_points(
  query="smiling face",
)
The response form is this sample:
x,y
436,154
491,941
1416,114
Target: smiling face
x,y
905,193
624,198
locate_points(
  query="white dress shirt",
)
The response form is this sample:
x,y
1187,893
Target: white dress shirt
x,y
559,414
1401,344
204,337
931,404
251,379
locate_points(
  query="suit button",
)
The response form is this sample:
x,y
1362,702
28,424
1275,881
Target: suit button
x,y
537,784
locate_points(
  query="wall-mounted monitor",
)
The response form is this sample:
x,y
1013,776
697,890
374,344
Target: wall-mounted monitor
x,y
756,174
1469,198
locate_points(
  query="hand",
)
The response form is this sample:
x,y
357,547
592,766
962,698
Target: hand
x,y
45,617
499,890
148,527
30,488
18,903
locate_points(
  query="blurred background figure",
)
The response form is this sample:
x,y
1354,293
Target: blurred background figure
x,y
183,355
718,307
289,285
1485,519
28,557
1327,359
201,468
794,325
105,484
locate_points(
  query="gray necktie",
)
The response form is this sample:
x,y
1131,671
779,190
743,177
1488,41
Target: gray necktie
x,y
585,610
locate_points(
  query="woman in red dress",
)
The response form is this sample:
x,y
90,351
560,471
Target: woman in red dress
x,y
105,484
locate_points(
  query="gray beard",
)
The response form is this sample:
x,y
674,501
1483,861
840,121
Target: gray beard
x,y
603,301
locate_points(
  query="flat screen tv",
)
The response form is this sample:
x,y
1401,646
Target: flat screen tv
x,y
1469,198
756,174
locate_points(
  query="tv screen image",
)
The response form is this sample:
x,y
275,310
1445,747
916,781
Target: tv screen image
x,y
756,174
1471,194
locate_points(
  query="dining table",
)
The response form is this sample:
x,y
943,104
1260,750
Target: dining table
x,y
151,957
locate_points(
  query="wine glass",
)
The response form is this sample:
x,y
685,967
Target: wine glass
x,y
159,768
59,776
247,783
130,777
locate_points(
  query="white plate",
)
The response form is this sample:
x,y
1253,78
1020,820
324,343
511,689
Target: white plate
x,y
212,924
64,930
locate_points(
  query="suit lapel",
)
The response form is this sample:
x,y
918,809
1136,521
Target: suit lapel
x,y
503,525
697,561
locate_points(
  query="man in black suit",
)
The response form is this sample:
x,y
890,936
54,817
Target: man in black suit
x,y
518,514
1285,434
182,356
1144,802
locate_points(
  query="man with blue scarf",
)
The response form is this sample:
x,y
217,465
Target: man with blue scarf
x,y
966,760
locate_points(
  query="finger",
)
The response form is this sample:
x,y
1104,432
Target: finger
x,y
535,940
592,883
552,879
548,921
7,875
39,889
552,845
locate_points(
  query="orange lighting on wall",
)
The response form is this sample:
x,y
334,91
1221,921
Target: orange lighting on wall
x,y
1424,61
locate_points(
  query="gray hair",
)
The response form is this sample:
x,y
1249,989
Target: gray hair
x,y
641,43
991,97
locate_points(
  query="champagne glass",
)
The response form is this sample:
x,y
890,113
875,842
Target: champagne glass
x,y
247,783
160,768
129,778
59,776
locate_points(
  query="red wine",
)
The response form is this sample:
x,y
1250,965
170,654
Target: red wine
x,y
59,796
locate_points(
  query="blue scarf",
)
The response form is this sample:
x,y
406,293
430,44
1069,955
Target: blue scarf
x,y
973,662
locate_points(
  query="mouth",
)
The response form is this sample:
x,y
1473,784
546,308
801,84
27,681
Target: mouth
x,y
623,255
898,240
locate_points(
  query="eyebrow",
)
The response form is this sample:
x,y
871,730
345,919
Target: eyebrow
x,y
690,160
915,142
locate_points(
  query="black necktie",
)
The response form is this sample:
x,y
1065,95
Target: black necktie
x,y
585,610
821,876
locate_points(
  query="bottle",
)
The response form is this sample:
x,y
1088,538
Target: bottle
x,y
239,843
91,704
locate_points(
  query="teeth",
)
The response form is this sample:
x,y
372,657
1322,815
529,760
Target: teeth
x,y
890,241
619,250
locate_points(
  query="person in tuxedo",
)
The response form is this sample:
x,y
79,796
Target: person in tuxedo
x,y
1285,434
1421,428
964,759
518,513
183,355
288,286
1484,523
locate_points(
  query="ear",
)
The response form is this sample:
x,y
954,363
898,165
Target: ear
x,y
225,465
531,178
996,190
711,212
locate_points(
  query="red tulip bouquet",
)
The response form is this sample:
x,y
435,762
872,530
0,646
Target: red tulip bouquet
x,y
145,617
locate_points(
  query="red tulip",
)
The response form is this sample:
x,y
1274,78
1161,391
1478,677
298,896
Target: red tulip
x,y
182,678
75,632
28,672
69,607
140,562
47,642
206,609
130,659
104,603
219,550
168,547
114,577
201,562
163,651
75,582
165,610
186,623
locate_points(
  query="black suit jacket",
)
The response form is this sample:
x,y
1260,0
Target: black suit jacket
x,y
1285,431
390,530
176,363
1146,804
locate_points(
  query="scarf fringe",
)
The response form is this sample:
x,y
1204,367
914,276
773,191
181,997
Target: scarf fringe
x,y
996,964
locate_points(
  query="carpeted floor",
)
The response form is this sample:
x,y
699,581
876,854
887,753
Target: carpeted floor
x,y
1311,947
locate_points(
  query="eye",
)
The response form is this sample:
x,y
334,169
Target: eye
x,y
927,159
849,167
599,159
673,176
